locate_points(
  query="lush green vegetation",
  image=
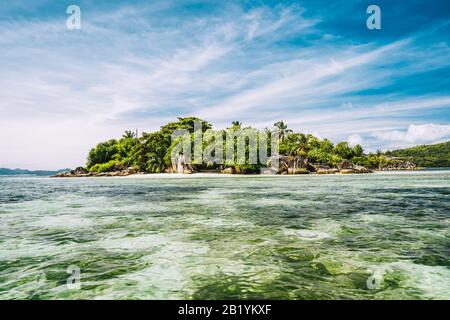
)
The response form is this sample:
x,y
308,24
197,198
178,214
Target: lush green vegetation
x,y
152,152
433,156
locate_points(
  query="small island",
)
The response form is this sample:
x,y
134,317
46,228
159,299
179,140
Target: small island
x,y
298,153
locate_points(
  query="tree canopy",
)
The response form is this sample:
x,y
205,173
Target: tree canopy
x,y
151,152
435,155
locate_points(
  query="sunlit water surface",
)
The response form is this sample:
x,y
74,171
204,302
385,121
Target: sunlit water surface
x,y
379,236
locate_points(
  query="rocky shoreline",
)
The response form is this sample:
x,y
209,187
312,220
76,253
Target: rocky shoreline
x,y
343,168
81,172
395,164
285,168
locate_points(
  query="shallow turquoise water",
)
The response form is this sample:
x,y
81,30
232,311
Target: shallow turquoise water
x,y
379,236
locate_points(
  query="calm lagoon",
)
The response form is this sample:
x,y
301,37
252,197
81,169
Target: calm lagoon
x,y
376,236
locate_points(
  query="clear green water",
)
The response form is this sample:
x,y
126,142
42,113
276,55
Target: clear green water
x,y
305,237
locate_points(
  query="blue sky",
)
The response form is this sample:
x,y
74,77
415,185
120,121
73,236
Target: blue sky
x,y
138,64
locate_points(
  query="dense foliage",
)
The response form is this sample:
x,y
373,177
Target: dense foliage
x,y
152,151
434,156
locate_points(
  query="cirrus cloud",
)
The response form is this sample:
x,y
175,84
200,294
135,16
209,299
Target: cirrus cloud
x,y
422,133
139,65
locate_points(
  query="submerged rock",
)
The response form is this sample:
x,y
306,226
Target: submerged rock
x,y
344,167
297,171
81,170
361,169
228,171
327,171
118,167
398,164
133,170
345,164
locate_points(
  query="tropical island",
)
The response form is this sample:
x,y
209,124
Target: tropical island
x,y
299,153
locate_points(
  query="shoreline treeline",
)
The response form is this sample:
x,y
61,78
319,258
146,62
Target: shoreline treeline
x,y
152,151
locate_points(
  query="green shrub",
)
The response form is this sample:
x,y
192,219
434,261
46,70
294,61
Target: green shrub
x,y
105,167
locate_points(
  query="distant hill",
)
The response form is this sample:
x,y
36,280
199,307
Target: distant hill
x,y
431,156
15,172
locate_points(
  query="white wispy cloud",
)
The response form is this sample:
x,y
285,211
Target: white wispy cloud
x,y
415,134
138,67
355,139
315,77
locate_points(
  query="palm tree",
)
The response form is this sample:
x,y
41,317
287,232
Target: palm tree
x,y
282,129
299,147
304,146
267,131
236,125
129,134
